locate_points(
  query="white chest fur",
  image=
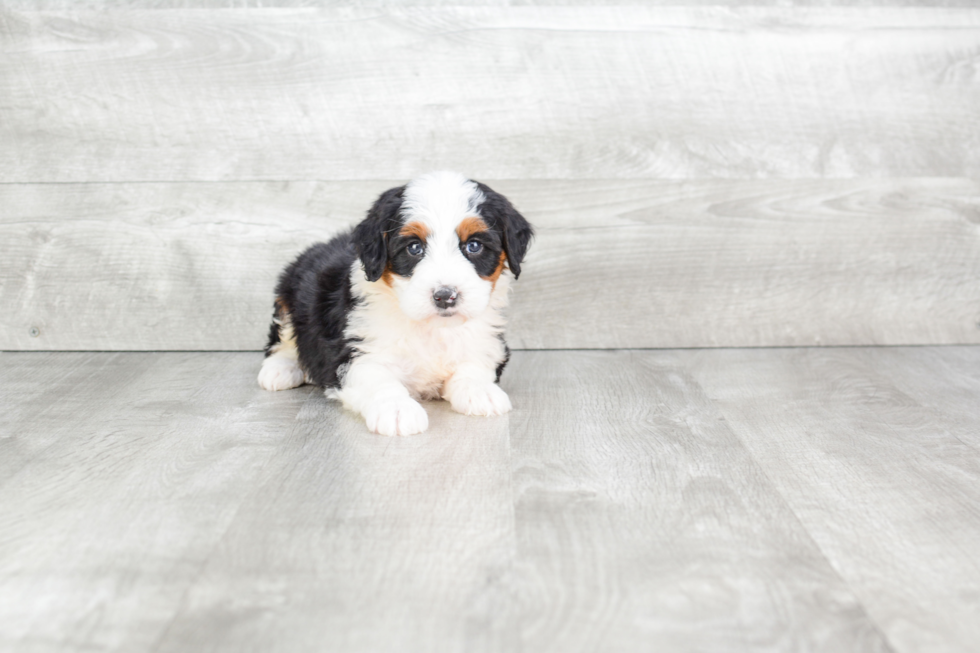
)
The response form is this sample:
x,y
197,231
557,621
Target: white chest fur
x,y
424,354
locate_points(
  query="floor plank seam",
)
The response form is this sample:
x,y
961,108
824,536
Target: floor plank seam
x,y
789,506
179,606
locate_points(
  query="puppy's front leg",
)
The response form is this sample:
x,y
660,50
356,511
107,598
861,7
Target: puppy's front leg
x,y
471,390
374,391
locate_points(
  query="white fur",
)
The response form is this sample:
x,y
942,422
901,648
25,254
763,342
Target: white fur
x,y
281,369
280,372
409,351
471,391
441,201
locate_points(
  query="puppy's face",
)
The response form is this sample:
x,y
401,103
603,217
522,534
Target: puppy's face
x,y
441,243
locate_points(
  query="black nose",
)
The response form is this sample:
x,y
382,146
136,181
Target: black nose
x,y
444,297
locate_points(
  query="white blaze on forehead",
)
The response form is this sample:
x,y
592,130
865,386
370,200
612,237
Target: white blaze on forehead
x,y
440,200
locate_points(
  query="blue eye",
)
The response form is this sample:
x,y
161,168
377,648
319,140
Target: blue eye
x,y
415,249
474,247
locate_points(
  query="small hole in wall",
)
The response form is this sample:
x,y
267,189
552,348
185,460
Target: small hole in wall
x,y
34,332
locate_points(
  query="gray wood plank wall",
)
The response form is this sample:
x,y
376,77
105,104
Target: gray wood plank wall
x,y
700,176
515,93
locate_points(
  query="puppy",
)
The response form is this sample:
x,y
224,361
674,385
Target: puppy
x,y
409,305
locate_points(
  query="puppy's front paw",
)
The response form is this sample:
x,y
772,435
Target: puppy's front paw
x,y
479,399
397,417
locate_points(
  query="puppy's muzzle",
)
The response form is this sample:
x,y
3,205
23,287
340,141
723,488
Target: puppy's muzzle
x,y
445,297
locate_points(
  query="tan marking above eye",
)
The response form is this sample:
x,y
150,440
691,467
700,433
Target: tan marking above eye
x,y
416,229
470,226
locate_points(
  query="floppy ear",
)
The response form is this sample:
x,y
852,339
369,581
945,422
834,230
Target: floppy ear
x,y
517,230
370,237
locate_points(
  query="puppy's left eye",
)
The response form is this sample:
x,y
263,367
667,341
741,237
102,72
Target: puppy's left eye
x,y
474,247
415,249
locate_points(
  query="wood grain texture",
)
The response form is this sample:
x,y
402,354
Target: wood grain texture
x,y
644,524
888,486
128,469
763,500
36,395
498,92
358,542
62,5
615,263
144,266
955,398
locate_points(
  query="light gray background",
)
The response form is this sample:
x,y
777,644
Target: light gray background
x,y
698,175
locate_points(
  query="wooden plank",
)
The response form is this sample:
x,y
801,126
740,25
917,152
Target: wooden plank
x,y
729,264
956,394
175,507
358,542
46,397
140,468
644,524
887,486
61,5
615,263
556,92
152,266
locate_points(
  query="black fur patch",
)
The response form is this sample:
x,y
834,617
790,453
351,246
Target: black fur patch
x,y
501,216
488,258
316,288
371,236
400,260
274,329
503,363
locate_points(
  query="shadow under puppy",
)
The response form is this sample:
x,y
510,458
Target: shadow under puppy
x,y
407,306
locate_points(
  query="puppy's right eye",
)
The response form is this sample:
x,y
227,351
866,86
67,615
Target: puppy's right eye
x,y
415,249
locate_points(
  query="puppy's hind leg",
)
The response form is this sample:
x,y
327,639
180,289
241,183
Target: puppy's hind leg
x,y
281,369
280,372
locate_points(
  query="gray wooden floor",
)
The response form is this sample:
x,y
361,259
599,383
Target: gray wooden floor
x,y
674,500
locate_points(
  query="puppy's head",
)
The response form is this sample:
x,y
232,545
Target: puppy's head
x,y
440,243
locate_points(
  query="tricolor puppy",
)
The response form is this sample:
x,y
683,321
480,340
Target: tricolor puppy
x,y
407,306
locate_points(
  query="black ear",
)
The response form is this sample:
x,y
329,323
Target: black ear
x,y
517,230
371,235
